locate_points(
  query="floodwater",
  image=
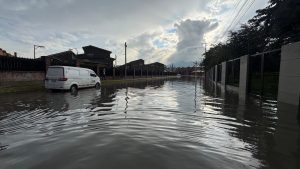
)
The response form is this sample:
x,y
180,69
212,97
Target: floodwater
x,y
162,124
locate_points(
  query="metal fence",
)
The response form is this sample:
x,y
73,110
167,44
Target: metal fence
x,y
21,64
233,72
264,73
219,73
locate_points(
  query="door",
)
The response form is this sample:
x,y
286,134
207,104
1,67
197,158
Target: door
x,y
53,75
84,79
92,78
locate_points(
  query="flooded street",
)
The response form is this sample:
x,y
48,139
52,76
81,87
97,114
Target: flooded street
x,y
163,124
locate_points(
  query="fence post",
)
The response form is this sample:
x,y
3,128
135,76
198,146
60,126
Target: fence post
x,y
262,65
216,73
223,75
243,81
212,75
289,76
147,73
114,72
152,73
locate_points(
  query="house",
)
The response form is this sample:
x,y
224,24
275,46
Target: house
x,y
93,58
4,53
159,67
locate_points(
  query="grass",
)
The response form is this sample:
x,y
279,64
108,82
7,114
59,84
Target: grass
x,y
24,86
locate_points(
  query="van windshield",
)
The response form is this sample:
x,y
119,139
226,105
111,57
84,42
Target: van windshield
x,y
55,72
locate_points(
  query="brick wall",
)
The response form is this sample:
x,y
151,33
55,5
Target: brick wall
x,y
17,76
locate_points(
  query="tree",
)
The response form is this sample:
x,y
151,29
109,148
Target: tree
x,y
270,28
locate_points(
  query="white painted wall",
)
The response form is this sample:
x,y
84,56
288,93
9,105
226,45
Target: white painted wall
x,y
289,77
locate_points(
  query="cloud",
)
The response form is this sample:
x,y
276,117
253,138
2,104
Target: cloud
x,y
40,21
180,45
147,26
190,46
152,46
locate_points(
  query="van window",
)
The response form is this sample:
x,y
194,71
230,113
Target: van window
x,y
93,75
73,73
55,71
84,73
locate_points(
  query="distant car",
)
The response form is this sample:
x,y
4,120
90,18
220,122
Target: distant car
x,y
70,78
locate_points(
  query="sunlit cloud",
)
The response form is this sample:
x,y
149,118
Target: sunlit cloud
x,y
154,30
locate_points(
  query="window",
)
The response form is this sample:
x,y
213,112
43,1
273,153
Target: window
x,y
84,73
56,71
73,73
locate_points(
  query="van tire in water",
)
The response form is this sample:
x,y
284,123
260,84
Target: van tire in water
x,y
97,86
73,88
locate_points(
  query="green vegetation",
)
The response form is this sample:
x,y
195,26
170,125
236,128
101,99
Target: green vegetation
x,y
270,85
277,24
24,86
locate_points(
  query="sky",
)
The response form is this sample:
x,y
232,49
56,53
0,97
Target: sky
x,y
168,31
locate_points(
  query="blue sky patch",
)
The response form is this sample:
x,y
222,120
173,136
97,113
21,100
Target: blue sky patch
x,y
160,43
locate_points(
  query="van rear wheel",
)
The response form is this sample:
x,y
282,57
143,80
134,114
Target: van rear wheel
x,y
73,89
97,86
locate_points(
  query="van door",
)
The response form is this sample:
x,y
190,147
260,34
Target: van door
x,y
73,75
92,78
53,75
84,78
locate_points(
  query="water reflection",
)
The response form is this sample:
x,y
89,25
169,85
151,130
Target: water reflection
x,y
175,123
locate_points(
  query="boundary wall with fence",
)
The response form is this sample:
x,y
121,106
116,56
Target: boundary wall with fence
x,y
274,73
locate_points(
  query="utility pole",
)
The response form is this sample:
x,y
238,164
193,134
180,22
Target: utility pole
x,y
35,47
125,61
115,60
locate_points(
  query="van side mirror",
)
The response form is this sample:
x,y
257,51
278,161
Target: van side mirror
x,y
93,75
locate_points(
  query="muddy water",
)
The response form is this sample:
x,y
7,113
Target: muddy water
x,y
169,124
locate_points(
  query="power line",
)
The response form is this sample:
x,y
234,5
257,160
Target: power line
x,y
233,20
242,7
238,2
235,6
245,13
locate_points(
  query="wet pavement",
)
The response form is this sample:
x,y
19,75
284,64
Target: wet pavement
x,y
161,124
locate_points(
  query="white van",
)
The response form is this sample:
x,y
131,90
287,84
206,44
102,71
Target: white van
x,y
70,78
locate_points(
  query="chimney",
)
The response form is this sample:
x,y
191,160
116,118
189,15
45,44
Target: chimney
x,y
15,54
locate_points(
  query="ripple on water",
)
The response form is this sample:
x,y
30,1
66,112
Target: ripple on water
x,y
162,124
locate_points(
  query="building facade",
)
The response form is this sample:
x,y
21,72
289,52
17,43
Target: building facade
x,y
93,58
3,53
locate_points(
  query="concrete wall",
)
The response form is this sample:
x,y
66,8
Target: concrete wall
x,y
223,74
209,74
216,73
21,76
289,76
243,82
